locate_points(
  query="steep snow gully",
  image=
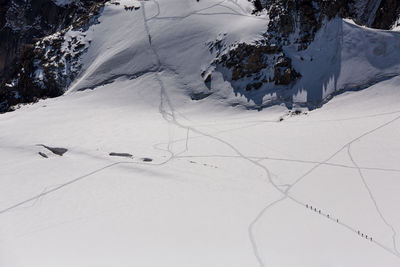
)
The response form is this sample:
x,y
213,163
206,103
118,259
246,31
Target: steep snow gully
x,y
173,117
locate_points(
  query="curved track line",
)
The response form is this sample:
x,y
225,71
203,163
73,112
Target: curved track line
x,y
167,111
378,210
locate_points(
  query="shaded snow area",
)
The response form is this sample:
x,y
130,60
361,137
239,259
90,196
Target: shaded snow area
x,y
150,177
345,56
62,2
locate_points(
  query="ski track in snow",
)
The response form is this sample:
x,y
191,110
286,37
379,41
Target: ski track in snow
x,y
171,118
342,148
168,113
198,12
46,192
373,199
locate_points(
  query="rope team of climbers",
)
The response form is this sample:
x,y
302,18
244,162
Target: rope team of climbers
x,y
337,220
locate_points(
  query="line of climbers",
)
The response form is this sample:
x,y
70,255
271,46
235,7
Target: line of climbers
x,y
337,220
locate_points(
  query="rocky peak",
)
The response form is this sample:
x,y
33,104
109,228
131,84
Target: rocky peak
x,y
293,24
380,14
22,24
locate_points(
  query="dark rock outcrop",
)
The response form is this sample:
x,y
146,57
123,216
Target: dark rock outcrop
x,y
60,151
387,14
124,155
23,24
380,14
284,74
293,23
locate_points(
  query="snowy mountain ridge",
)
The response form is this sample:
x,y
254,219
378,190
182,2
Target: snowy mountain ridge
x,y
292,27
357,57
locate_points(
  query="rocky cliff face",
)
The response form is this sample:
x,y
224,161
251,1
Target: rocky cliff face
x,y
387,14
265,64
23,24
293,23
380,14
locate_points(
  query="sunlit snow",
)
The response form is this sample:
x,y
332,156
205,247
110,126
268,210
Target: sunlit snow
x,y
210,182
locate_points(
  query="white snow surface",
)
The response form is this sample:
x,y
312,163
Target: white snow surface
x,y
227,185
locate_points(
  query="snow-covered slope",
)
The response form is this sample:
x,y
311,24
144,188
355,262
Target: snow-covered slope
x,y
209,183
343,56
121,42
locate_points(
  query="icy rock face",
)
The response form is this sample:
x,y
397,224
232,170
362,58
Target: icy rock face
x,y
293,23
387,14
265,64
365,11
24,74
380,14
